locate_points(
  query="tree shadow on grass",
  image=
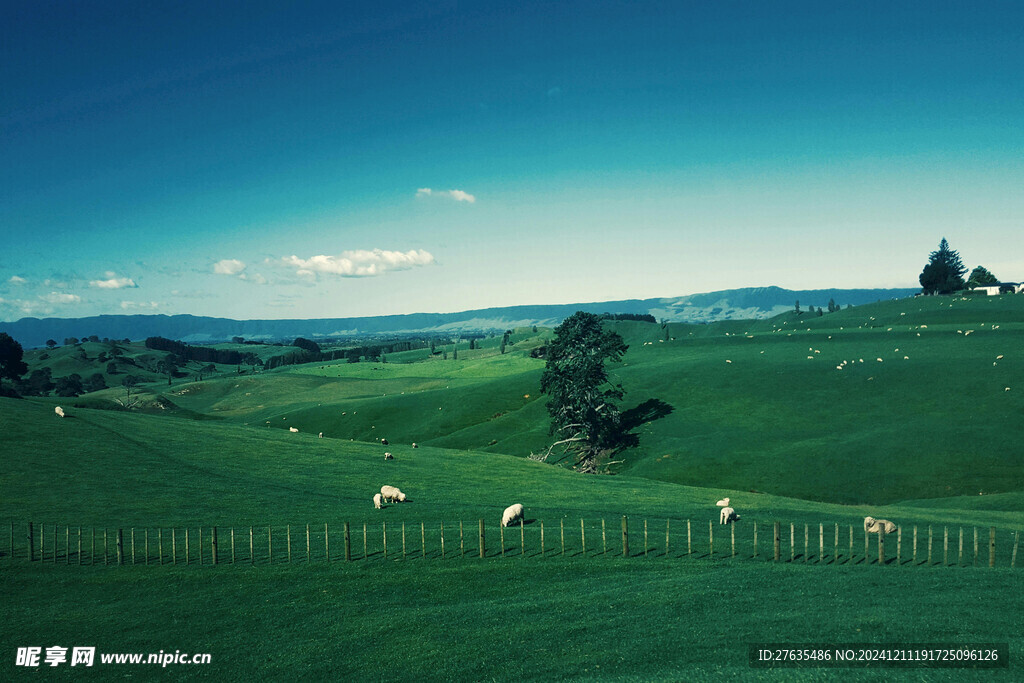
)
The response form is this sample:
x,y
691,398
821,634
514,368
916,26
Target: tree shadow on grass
x,y
648,411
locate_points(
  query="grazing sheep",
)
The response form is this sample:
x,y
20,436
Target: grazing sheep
x,y
724,503
378,501
384,442
388,456
59,411
391,494
728,515
874,526
292,429
414,445
512,514
320,436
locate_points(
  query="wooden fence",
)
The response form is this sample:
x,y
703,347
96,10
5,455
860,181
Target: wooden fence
x,y
822,544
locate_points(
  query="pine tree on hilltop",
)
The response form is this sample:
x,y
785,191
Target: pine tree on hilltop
x,y
944,273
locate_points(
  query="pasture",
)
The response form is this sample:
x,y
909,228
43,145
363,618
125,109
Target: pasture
x,y
788,438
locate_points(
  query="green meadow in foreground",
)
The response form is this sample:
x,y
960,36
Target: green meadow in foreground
x,y
779,430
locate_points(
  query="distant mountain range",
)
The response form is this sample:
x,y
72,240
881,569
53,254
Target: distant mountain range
x,y
730,304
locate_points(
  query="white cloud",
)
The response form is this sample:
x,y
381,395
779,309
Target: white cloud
x,y
134,305
359,263
255,278
457,195
113,282
61,298
15,280
228,266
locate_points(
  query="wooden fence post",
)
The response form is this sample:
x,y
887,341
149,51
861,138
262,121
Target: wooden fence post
x,y
174,546
482,546
960,549
1013,558
850,557
160,545
423,541
348,543
667,521
604,538
881,546
31,544
945,546
711,538
364,540
522,537
821,541
929,545
806,530
867,557
462,546
755,539
384,530
288,540
307,545
915,545
792,542
120,547
583,538
689,547
501,532
232,545
403,540
975,546
213,544
835,548
131,537
542,538
732,532
992,546
442,540
625,537
645,538
778,543
561,526
252,548
899,545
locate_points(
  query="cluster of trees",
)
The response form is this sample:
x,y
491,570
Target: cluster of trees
x,y
202,354
944,273
641,317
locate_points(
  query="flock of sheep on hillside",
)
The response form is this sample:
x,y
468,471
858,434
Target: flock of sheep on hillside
x,y
516,512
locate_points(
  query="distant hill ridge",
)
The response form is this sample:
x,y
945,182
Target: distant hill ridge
x,y
731,304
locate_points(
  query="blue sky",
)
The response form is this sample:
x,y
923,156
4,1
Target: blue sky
x,y
269,160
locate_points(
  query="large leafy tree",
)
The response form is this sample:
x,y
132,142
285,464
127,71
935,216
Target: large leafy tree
x,y
582,405
944,272
981,277
11,364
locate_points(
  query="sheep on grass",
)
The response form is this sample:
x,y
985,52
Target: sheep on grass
x,y
512,514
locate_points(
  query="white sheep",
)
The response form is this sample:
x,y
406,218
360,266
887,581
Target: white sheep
x,y
384,442
320,436
728,515
874,526
378,501
512,514
414,445
388,456
59,411
723,503
292,429
391,494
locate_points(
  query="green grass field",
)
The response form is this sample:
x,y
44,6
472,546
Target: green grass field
x,y
788,438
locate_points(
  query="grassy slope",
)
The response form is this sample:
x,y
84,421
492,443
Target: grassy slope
x,y
532,618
